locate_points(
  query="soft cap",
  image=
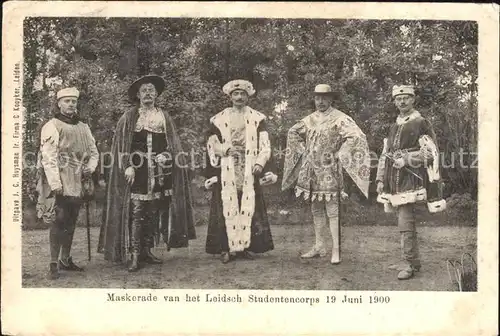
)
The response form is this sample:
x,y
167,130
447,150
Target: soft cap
x,y
68,92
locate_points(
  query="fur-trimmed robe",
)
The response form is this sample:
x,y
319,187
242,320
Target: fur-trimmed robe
x,y
412,138
234,227
177,224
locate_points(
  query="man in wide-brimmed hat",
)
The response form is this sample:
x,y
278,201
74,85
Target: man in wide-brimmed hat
x,y
68,156
239,165
318,147
408,173
148,187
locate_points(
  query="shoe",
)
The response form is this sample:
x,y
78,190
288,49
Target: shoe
x,y
69,265
225,257
335,257
134,263
314,252
401,266
406,274
247,255
150,258
53,271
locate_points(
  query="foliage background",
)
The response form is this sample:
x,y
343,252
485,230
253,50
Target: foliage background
x,y
284,59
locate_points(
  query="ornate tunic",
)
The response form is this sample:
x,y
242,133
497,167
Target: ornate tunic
x,y
64,147
316,148
152,179
412,138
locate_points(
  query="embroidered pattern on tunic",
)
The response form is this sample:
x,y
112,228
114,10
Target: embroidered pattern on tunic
x,y
317,145
152,121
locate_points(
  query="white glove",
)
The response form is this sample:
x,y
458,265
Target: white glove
x,y
211,181
268,179
161,159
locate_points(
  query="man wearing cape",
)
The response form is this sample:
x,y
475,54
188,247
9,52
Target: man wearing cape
x,y
148,190
318,147
409,174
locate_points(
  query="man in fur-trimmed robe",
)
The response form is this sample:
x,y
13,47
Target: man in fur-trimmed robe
x,y
239,164
148,189
318,147
408,173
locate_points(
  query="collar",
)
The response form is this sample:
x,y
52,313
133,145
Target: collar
x,y
412,116
68,120
325,114
147,111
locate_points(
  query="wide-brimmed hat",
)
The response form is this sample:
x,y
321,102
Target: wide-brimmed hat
x,y
157,81
324,89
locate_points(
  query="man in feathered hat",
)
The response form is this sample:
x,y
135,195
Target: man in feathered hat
x,y
318,147
239,164
408,173
68,156
148,189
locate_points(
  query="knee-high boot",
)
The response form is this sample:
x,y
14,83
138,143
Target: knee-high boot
x,y
408,251
150,229
136,233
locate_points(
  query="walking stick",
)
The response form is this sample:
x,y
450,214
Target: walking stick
x,y
87,212
339,200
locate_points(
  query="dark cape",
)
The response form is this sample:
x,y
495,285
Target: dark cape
x,y
261,239
177,223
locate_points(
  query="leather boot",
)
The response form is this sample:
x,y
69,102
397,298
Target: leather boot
x,y
135,234
69,265
134,263
150,258
408,251
53,271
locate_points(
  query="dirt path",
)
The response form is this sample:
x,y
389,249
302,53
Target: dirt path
x,y
367,250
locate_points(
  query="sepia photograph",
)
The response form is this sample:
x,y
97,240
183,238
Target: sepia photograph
x,y
250,160
250,154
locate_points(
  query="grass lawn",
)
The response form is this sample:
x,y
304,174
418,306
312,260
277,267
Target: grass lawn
x,y
367,250
370,242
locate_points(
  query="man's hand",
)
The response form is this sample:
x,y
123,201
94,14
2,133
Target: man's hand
x,y
161,159
86,171
380,187
56,192
211,181
257,169
343,195
398,163
130,175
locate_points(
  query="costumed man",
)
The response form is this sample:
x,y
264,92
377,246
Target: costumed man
x,y
67,158
148,190
318,146
239,153
408,173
